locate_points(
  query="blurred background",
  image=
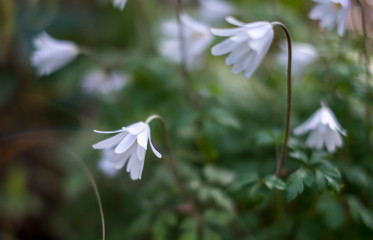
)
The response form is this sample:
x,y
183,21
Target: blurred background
x,y
225,130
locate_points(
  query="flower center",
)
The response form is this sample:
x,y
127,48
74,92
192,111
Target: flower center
x,y
337,6
197,35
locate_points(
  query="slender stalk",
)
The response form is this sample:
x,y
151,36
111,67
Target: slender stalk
x,y
188,200
42,138
92,55
368,114
93,183
281,161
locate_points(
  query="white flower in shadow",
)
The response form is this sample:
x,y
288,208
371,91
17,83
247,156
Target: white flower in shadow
x,y
105,165
51,54
104,83
196,38
247,44
215,10
303,54
330,12
325,130
129,145
120,4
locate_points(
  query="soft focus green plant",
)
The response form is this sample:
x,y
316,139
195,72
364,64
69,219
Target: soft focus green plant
x,y
225,131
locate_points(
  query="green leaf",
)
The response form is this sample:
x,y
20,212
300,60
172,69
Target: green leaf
x,y
318,157
320,181
219,175
359,212
296,182
301,156
329,170
274,182
331,210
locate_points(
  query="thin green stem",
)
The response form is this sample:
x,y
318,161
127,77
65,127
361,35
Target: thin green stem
x,y
188,199
93,183
281,161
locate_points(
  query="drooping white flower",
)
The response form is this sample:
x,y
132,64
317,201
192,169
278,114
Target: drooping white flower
x,y
105,165
247,44
129,145
120,4
196,38
303,54
103,82
51,54
325,130
215,10
330,12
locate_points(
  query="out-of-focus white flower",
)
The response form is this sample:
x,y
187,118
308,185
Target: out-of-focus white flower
x,y
325,129
196,38
303,54
247,44
215,10
51,54
103,82
120,4
330,12
105,165
129,144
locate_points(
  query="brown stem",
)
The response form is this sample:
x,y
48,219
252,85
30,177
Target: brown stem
x,y
92,55
368,114
191,206
281,161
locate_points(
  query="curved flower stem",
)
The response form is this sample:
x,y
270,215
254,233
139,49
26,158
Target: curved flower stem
x,y
368,114
93,183
91,54
281,161
44,138
189,201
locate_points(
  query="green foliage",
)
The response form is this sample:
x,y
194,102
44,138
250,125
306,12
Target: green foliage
x,y
226,132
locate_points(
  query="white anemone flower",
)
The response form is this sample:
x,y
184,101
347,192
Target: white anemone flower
x,y
247,44
303,54
120,4
215,10
129,145
196,38
325,129
103,82
330,12
51,54
105,165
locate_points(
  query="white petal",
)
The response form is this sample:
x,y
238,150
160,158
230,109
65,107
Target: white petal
x,y
132,160
309,124
226,32
142,138
136,171
117,131
126,143
224,47
136,128
110,142
153,148
234,21
141,153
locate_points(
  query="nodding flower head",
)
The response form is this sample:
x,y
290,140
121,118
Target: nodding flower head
x,y
247,44
330,12
325,130
129,145
51,54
